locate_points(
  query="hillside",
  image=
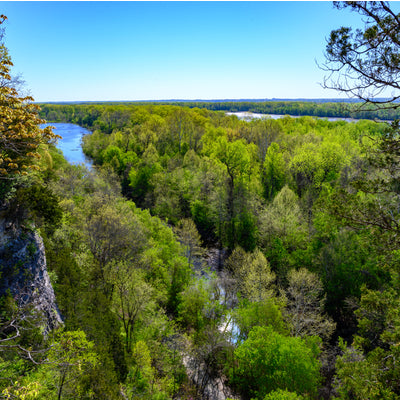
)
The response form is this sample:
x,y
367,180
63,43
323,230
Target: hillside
x,y
285,203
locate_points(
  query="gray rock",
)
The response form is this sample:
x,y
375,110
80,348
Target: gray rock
x,y
23,272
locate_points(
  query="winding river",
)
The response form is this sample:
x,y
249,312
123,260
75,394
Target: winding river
x,y
70,144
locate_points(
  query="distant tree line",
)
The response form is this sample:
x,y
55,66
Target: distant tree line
x,y
321,109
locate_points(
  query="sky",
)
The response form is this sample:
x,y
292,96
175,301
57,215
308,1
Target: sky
x,y
129,50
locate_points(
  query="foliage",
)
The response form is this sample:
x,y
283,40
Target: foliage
x,y
374,376
259,313
42,205
305,305
69,358
299,218
274,175
252,273
197,309
268,361
282,395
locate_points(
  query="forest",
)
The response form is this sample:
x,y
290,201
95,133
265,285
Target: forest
x,y
203,256
323,109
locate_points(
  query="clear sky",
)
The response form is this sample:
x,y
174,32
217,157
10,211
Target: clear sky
x,y
99,51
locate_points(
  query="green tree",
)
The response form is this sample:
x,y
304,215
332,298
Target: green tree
x,y
197,309
259,313
312,164
70,357
373,376
133,297
190,239
274,173
283,219
237,159
269,361
113,234
282,395
141,377
369,368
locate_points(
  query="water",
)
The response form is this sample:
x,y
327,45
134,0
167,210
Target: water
x,y
71,141
248,116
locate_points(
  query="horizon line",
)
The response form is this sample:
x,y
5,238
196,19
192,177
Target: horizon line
x,y
325,99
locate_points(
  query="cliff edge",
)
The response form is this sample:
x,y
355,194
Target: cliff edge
x,y
23,271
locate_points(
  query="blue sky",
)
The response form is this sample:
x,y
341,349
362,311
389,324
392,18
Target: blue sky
x,y
99,51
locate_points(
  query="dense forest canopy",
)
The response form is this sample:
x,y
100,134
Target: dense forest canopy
x,y
317,108
202,249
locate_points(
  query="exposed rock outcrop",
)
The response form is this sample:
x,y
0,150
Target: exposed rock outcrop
x,y
23,272
210,388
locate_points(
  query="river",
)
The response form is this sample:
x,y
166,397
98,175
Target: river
x,y
248,116
71,141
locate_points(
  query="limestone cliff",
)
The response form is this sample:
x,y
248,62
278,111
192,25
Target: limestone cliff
x,y
23,271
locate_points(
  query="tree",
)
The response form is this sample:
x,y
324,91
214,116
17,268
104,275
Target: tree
x,y
190,239
113,234
197,309
269,361
21,340
237,159
283,219
141,376
20,134
369,368
282,395
305,305
366,63
70,357
274,171
260,313
253,275
132,296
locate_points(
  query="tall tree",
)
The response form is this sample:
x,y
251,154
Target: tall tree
x,y
305,305
366,64
269,361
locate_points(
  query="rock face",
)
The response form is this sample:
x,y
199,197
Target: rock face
x,y
210,388
23,272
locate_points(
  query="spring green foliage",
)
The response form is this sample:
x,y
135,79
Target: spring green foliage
x,y
259,313
287,198
273,193
126,268
282,395
320,108
304,213
269,361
